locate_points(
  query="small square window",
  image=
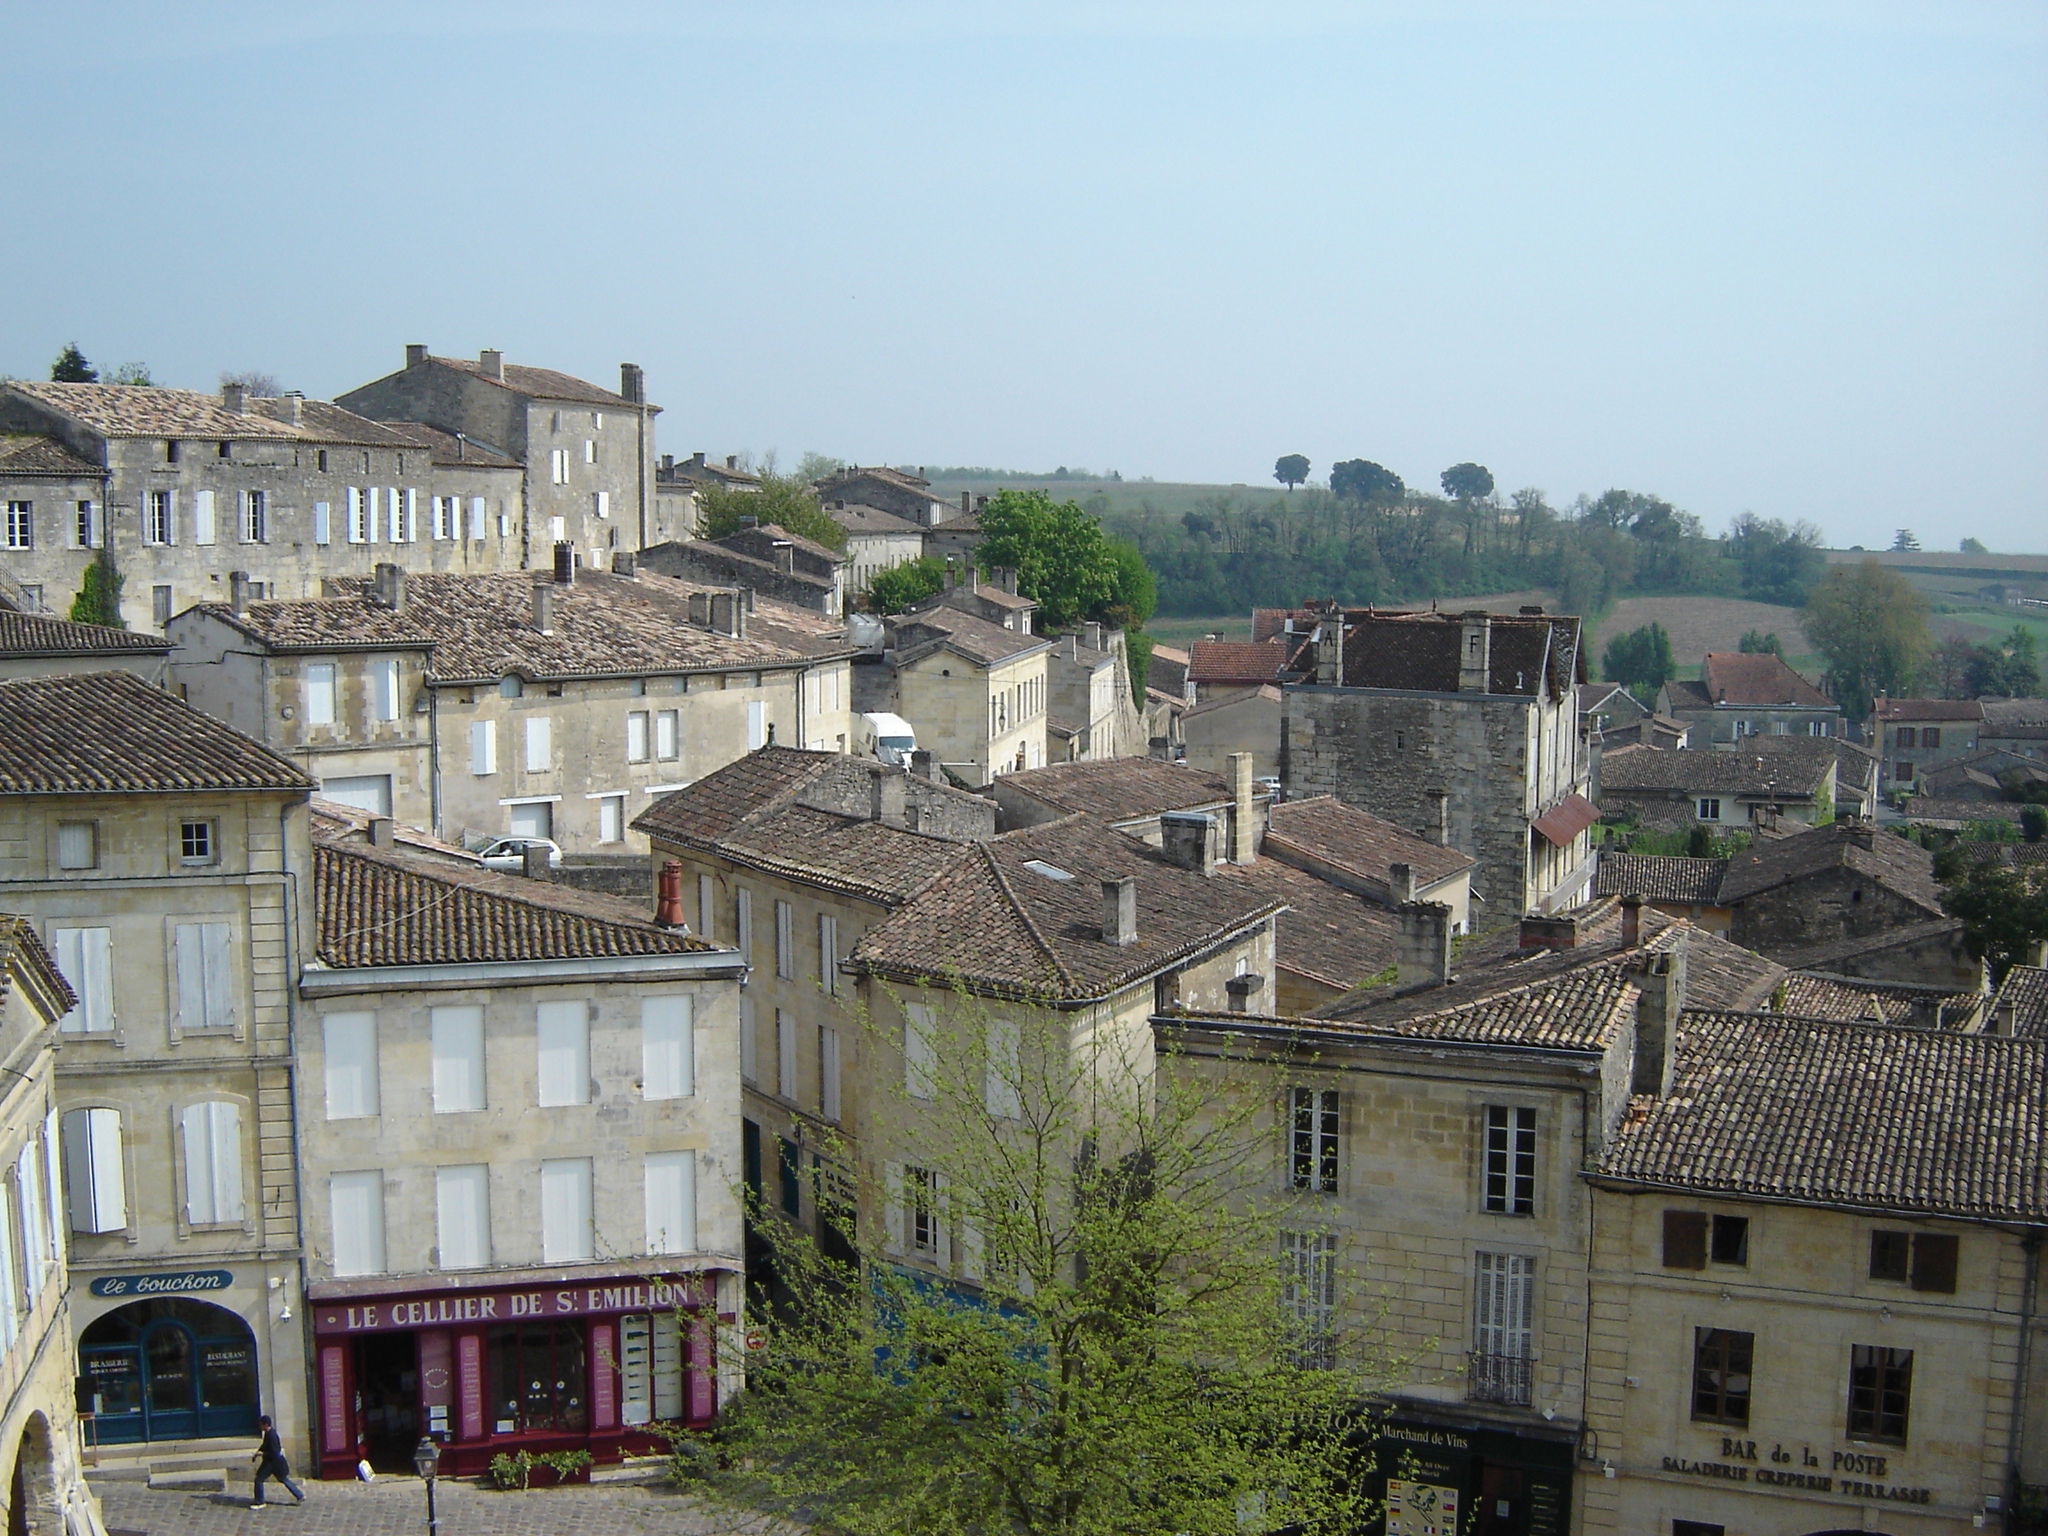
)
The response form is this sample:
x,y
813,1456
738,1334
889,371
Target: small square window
x,y
1931,737
1696,1528
78,845
197,843
1730,1240
1891,1255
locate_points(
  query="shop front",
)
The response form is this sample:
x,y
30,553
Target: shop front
x,y
593,1365
1449,1474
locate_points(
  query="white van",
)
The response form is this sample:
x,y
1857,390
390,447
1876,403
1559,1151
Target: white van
x,y
889,737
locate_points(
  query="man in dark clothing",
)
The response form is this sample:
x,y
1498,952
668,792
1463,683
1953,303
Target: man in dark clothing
x,y
270,1463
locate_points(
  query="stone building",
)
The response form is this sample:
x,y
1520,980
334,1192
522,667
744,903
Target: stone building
x,y
36,645
1735,789
54,499
678,482
46,1488
161,857
487,705
587,453
1916,736
1462,728
977,692
895,491
767,559
1243,720
1743,694
194,487
1092,716
520,1143
876,541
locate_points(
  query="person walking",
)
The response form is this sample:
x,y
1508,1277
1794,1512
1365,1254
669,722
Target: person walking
x,y
270,1463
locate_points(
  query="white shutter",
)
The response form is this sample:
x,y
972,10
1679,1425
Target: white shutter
x,y
323,523
319,693
563,1032
203,971
540,743
666,736
785,1053
611,818
35,1241
92,1166
349,1041
358,515
565,1229
668,1052
384,683
671,1183
396,529
636,736
828,954
7,1290
372,502
212,1136
970,1251
750,1054
828,1071
202,517
476,517
53,1187
462,1216
458,1035
85,956
412,512
785,939
743,924
603,504
1503,1304
1001,1084
356,1204
920,1061
483,747
757,724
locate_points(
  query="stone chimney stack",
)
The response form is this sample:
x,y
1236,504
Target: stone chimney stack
x,y
1442,797
1659,1002
491,364
234,399
1400,884
565,563
1475,652
383,832
1120,911
626,562
891,798
1631,921
1541,932
1425,956
925,765
415,353
1244,832
633,383
238,592
389,591
1188,840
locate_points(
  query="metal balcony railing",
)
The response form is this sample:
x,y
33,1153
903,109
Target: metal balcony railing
x,y
1500,1379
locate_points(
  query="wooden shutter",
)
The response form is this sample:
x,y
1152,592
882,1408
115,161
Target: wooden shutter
x,y
53,1187
188,978
8,1325
356,1206
1685,1239
212,1136
476,517
384,675
828,954
563,1033
785,939
462,1215
319,693
920,1059
85,957
636,736
349,1041
743,924
785,1053
540,743
323,523
483,747
1934,1262
667,1048
458,1050
828,1071
1001,1085
757,724
705,908
565,1227
202,517
671,1191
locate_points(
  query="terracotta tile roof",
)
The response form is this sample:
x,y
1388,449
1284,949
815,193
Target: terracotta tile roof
x,y
2025,719
977,639
21,949
1328,934
111,733
1928,709
1120,788
710,808
1269,622
1883,857
447,448
2008,855
1655,770
1238,661
1853,764
1758,680
1684,693
540,383
1528,654
349,826
1659,877
901,479
1851,1001
38,634
481,627
380,907
1839,952
1001,920
855,518
26,453
2025,992
995,597
138,410
1848,1115
1323,830
1936,810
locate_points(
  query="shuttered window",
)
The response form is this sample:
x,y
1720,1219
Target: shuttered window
x,y
540,743
637,736
211,1136
36,1216
743,924
828,954
667,735
1002,1084
202,517
667,1048
1309,1292
458,1048
671,1180
323,523
920,1060
565,1223
483,747
785,939
94,1170
757,725
563,1031
319,693
828,1071
476,517
1685,1240
85,956
356,1205
384,689
1503,1305
349,1041
10,1304
462,1216
785,1053
203,977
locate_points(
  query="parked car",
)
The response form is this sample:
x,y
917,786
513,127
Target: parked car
x,y
509,853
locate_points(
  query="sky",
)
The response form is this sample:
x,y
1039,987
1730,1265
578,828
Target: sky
x,y
1788,258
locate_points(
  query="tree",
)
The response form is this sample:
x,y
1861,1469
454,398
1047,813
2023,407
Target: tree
x,y
132,373
99,594
260,385
2004,912
1467,482
814,466
1119,1355
1973,547
905,586
1365,482
1872,628
2006,669
2033,823
1757,643
1779,562
1062,560
1640,659
785,500
1904,542
72,368
1290,469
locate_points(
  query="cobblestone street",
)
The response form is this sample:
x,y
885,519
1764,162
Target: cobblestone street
x,y
397,1506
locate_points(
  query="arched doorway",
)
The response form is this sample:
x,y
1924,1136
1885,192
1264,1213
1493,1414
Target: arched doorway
x,y
170,1368
32,1504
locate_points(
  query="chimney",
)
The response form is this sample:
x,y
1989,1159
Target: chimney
x,y
925,764
1532,610
633,383
1659,1002
544,607
491,364
1244,839
732,461
1631,921
1443,817
966,502
1475,652
1073,646
1188,839
534,862
668,463
294,408
1092,633
389,591
890,798
1425,955
668,897
415,353
1330,654
565,563
1540,932
626,563
1120,911
1863,834
785,556
238,592
1400,884
383,832
700,609
913,817
729,614
234,399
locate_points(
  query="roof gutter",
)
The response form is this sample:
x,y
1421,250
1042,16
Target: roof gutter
x,y
335,981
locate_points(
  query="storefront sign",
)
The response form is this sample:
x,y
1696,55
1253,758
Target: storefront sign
x,y
1783,1470
453,1308
164,1285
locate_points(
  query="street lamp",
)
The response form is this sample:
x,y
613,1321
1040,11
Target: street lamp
x,y
426,1460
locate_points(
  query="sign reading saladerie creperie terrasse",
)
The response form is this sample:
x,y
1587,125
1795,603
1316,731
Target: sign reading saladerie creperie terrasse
x,y
1844,1472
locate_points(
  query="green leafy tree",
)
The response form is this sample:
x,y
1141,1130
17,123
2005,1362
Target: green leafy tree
x,y
1063,561
1367,483
2004,912
99,594
2033,823
785,500
1138,662
72,368
814,466
1903,542
132,373
1871,626
1120,1358
1290,469
1778,562
2006,669
1756,643
1641,660
1467,482
904,586
1973,547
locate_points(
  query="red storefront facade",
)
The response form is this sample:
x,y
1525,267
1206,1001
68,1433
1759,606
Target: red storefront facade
x,y
591,1364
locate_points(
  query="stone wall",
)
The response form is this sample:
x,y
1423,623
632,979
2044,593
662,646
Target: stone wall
x,y
1822,908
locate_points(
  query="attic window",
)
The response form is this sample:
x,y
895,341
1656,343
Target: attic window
x,y
1050,871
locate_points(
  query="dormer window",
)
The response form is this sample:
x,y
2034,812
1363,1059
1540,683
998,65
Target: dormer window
x,y
510,688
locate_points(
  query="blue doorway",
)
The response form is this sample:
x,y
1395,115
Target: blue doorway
x,y
169,1368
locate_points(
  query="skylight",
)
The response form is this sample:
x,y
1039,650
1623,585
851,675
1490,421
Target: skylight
x,y
1050,871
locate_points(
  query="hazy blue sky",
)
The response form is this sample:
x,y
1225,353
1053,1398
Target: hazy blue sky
x,y
1784,257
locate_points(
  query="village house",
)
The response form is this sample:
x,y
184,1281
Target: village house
x,y
678,484
1462,728
876,541
36,645
975,691
895,491
2016,725
519,1141
543,708
1226,723
54,499
1735,789
195,486
1917,736
766,558
1742,694
161,857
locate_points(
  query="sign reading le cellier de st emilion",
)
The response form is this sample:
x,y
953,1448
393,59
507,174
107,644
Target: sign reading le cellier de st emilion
x,y
1853,1473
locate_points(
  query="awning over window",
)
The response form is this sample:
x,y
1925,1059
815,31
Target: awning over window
x,y
1567,819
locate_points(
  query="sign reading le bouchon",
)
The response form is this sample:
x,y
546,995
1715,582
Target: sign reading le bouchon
x,y
164,1285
